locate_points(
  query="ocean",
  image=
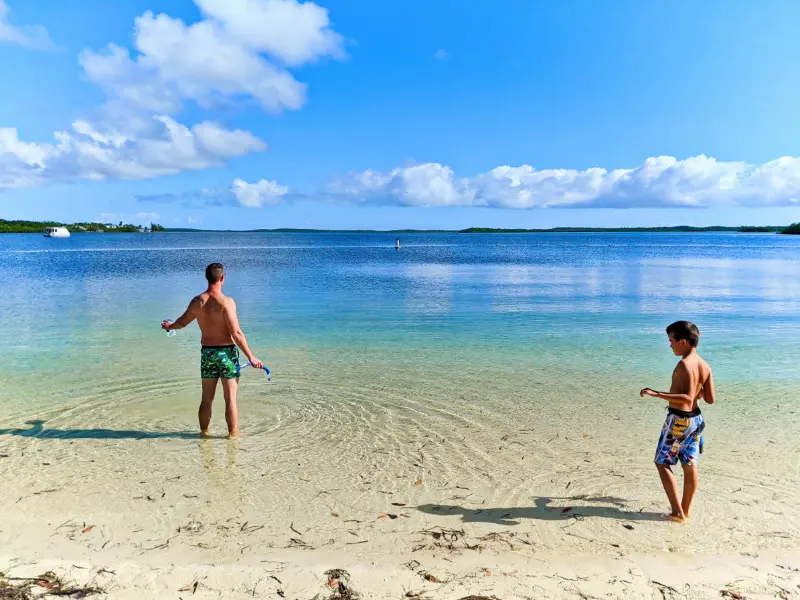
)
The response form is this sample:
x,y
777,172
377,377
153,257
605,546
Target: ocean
x,y
508,364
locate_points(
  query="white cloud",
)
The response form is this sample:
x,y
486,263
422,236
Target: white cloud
x,y
163,147
293,32
441,54
662,181
241,193
220,58
34,37
256,195
223,58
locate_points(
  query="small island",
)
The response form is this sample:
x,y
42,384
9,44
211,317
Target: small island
x,y
793,229
39,226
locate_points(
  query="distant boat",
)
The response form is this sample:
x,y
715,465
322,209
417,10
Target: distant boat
x,y
397,244
56,232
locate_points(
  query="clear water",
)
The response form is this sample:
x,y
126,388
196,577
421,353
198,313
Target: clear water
x,y
455,341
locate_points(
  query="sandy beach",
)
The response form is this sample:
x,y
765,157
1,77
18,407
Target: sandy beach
x,y
449,430
516,511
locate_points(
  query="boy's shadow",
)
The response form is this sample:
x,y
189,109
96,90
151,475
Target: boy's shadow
x,y
541,511
39,432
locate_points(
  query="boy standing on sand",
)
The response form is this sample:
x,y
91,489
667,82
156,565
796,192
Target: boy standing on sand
x,y
682,434
219,358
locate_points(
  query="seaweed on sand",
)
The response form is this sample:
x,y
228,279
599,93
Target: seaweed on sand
x,y
46,584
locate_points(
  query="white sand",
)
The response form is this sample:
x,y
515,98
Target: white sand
x,y
555,491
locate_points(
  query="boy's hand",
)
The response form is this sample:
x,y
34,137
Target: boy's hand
x,y
166,325
648,392
254,362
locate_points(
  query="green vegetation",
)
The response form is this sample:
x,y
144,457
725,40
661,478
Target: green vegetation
x,y
38,227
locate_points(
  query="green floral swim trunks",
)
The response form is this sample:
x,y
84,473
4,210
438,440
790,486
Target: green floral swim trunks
x,y
219,362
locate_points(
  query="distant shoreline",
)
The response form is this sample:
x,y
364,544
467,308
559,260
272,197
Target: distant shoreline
x,y
37,227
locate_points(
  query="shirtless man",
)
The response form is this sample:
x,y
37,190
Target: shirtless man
x,y
682,434
219,358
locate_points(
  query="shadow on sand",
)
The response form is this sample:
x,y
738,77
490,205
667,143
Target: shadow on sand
x,y
38,431
542,511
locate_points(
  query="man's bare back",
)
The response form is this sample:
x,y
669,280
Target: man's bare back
x,y
209,309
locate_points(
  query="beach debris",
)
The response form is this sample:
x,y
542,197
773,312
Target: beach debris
x,y
340,580
87,529
479,598
291,526
24,588
398,504
418,482
731,594
387,516
627,526
431,577
192,587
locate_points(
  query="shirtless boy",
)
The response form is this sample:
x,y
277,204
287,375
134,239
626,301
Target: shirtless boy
x,y
219,358
682,434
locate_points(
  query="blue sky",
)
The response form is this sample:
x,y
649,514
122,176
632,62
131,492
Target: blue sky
x,y
449,114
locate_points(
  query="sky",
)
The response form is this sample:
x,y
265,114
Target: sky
x,y
346,114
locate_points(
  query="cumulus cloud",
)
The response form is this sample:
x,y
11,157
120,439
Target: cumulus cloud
x,y
162,147
663,181
239,50
290,31
34,37
241,193
229,55
256,195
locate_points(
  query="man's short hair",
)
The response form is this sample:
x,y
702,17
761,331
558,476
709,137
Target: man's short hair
x,y
684,330
214,272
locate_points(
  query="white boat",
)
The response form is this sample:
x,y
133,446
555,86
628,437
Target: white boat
x,y
56,232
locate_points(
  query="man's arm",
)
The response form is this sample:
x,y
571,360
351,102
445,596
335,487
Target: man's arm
x,y
187,317
685,383
232,320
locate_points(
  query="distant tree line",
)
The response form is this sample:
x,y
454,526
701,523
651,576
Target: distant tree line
x,y
38,227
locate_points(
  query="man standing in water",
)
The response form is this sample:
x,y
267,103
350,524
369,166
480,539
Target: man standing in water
x,y
219,358
682,434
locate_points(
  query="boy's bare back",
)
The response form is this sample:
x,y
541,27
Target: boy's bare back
x,y
692,376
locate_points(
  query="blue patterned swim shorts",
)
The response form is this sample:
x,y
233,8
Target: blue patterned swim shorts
x,y
681,438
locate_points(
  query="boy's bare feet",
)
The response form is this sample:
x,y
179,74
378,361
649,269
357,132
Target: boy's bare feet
x,y
204,434
676,518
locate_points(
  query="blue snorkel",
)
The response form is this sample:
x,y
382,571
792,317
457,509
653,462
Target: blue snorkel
x,y
266,370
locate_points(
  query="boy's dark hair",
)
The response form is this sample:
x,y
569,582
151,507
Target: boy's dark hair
x,y
214,272
684,330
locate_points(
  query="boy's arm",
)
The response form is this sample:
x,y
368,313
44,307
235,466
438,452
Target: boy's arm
x,y
232,319
684,381
187,317
709,395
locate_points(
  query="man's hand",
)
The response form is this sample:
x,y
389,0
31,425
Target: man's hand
x,y
648,392
254,362
165,325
